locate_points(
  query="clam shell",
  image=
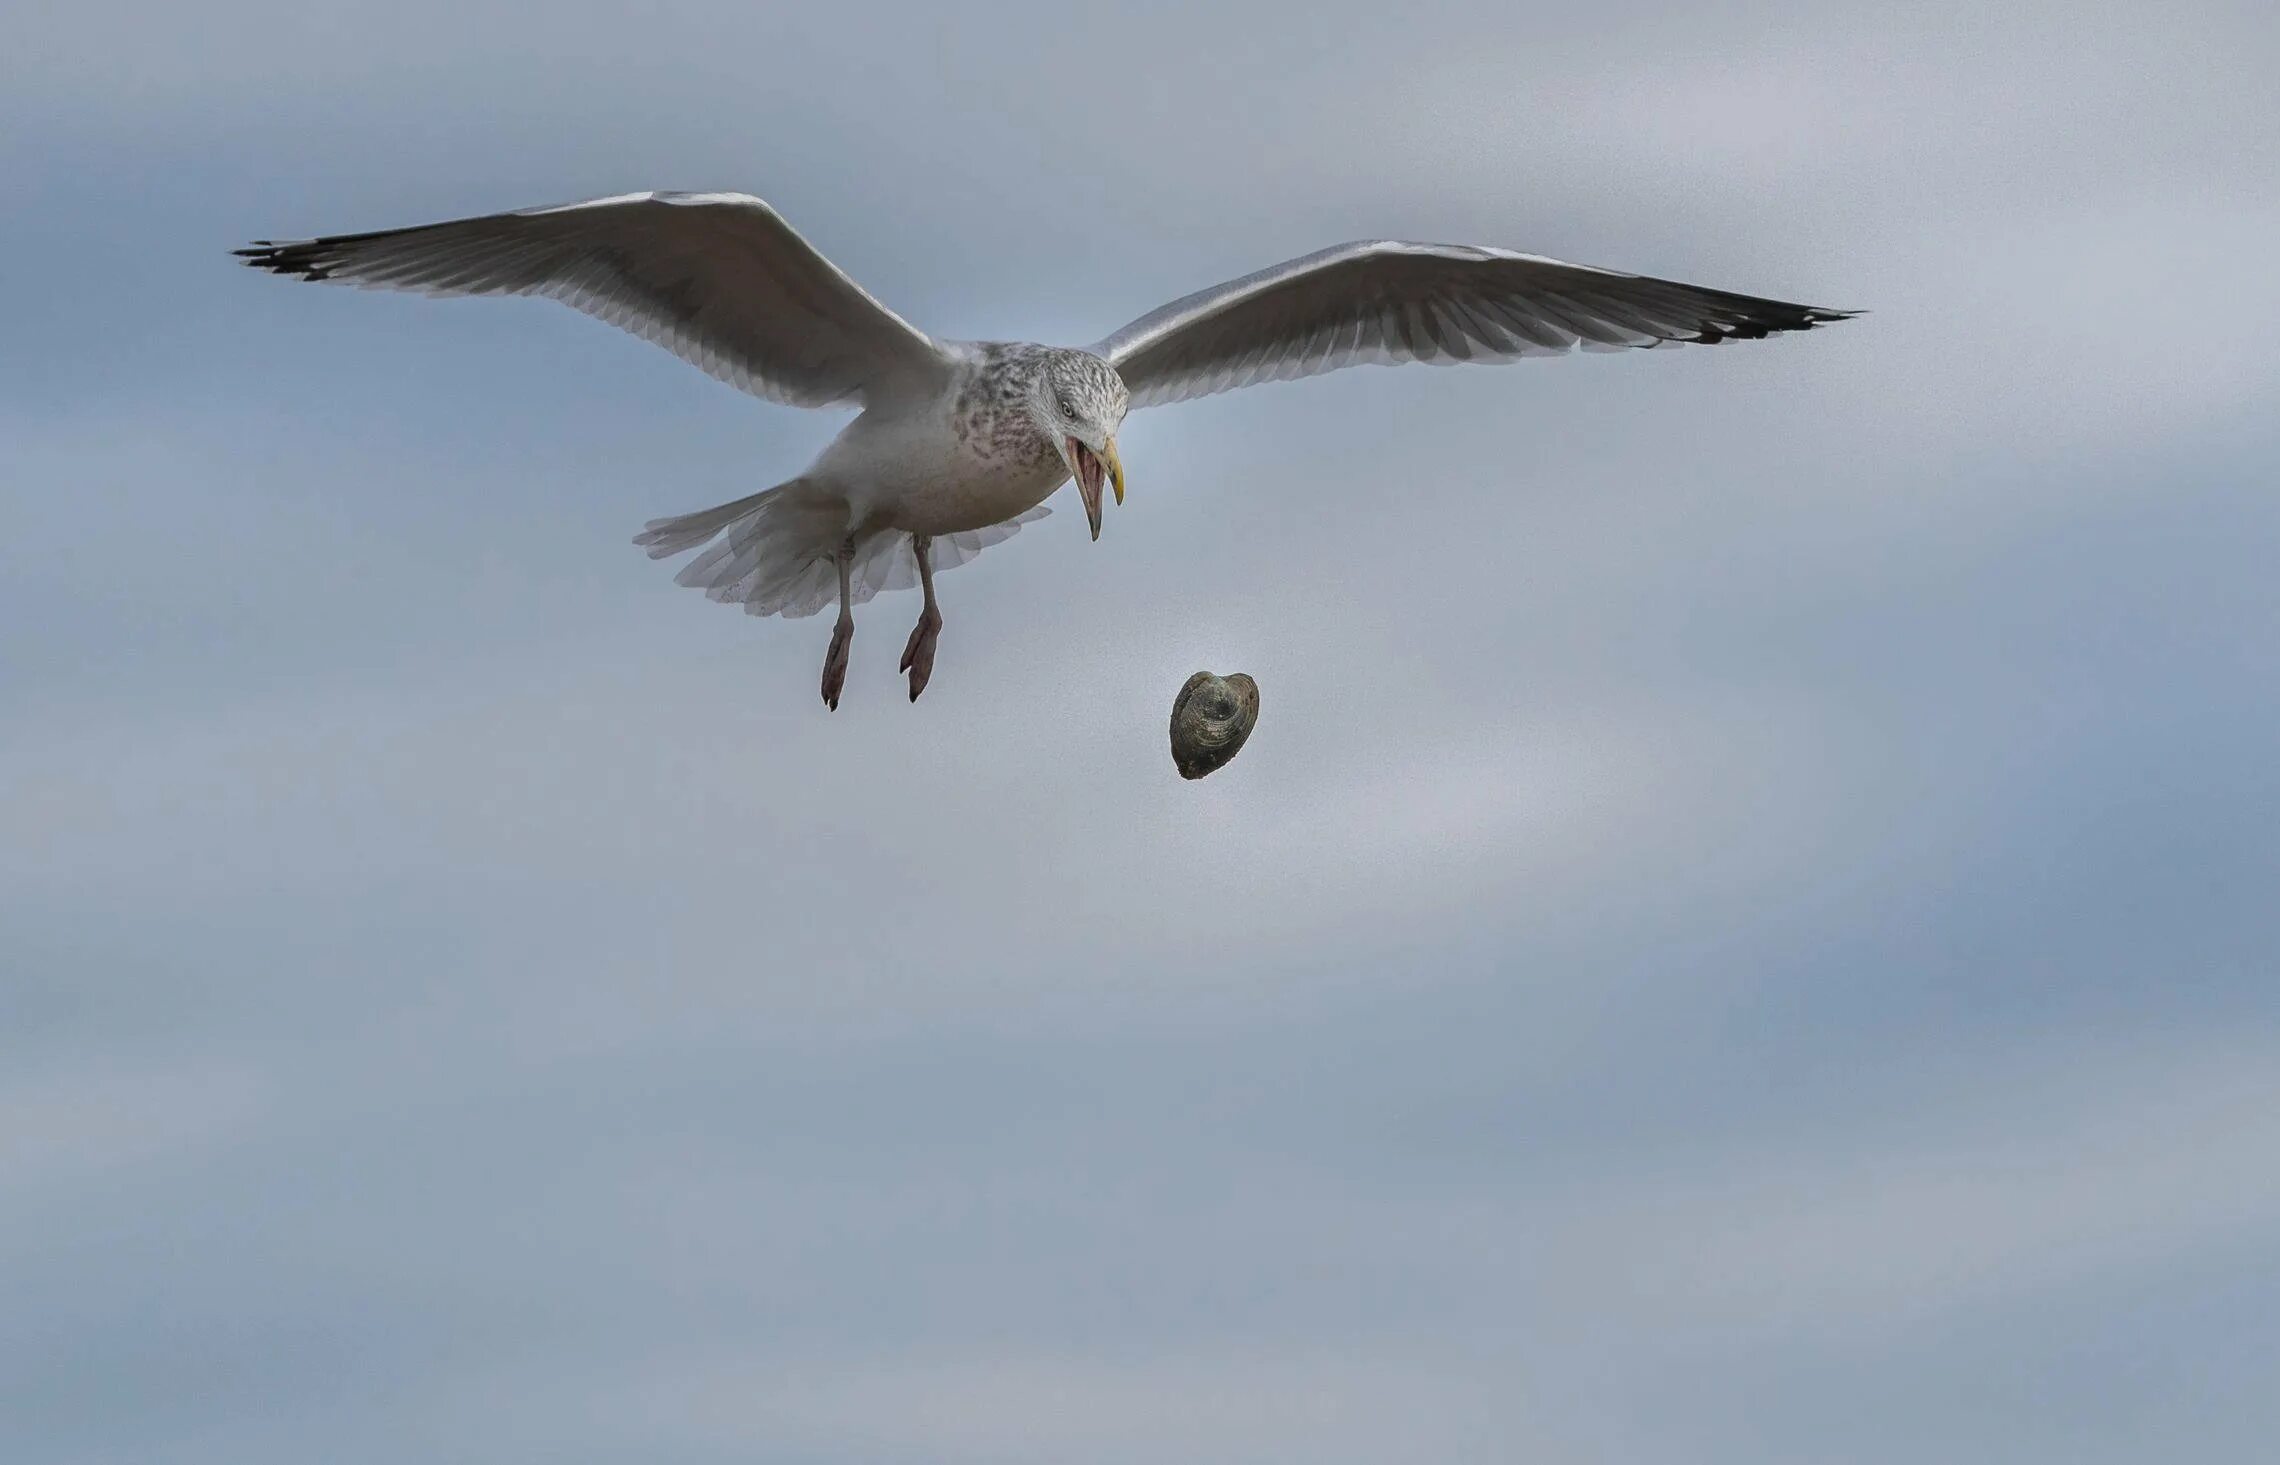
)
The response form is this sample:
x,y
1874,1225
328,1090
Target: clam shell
x,y
1211,717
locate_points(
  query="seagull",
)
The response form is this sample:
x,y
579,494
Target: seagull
x,y
956,444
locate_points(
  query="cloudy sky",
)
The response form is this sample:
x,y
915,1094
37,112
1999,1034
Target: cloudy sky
x,y
1745,934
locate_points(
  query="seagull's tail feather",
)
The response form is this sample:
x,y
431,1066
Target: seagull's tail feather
x,y
664,538
775,548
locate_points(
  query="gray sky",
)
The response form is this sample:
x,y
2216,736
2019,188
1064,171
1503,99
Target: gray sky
x,y
1744,933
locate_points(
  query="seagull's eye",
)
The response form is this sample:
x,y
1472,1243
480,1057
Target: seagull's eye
x,y
1068,408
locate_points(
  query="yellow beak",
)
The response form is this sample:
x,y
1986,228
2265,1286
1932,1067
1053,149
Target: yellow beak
x,y
1115,467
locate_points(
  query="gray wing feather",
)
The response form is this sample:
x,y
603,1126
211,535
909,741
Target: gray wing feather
x,y
719,279
1383,301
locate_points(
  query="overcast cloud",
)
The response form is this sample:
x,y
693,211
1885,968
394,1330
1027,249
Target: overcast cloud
x,y
1744,934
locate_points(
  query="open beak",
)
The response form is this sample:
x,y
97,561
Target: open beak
x,y
1091,469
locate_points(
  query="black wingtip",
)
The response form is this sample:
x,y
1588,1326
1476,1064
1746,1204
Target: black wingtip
x,y
1771,323
298,260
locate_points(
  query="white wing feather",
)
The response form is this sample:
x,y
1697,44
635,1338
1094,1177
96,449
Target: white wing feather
x,y
1385,301
719,279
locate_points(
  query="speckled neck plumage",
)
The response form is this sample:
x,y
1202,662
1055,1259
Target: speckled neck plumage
x,y
991,415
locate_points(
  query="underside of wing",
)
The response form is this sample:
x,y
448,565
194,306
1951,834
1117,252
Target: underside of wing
x,y
1386,302
719,279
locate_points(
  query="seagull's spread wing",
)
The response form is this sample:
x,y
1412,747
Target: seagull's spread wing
x,y
1384,301
719,279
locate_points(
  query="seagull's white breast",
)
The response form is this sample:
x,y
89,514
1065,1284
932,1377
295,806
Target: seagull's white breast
x,y
969,458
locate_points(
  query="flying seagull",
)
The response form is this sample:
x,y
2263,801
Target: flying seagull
x,y
957,444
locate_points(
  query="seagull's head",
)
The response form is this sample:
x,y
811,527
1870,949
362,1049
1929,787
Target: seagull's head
x,y
1079,403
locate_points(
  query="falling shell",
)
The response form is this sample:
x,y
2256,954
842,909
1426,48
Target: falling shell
x,y
1210,719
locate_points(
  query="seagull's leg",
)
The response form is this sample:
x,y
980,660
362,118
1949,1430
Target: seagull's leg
x,y
918,653
835,660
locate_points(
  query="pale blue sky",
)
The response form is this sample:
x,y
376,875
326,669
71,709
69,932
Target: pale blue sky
x,y
1744,935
